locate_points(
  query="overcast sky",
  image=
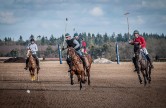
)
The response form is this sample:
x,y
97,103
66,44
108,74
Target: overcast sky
x,y
47,17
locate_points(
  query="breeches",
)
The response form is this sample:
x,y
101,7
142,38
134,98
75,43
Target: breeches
x,y
144,50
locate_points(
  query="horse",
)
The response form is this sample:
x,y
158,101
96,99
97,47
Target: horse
x,y
78,68
142,64
32,66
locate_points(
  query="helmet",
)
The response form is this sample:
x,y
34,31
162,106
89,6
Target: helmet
x,y
75,34
67,34
136,32
32,40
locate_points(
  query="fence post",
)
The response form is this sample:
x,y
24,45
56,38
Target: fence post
x,y
60,54
117,53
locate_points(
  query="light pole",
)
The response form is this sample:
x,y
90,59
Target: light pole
x,y
126,14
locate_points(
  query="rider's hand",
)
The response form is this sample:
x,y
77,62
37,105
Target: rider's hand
x,y
130,41
137,43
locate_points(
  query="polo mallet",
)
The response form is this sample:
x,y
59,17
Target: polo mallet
x,y
126,14
65,31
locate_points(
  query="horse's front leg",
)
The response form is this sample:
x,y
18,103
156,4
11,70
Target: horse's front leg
x,y
79,78
144,75
37,74
149,72
31,73
88,74
139,77
71,77
83,76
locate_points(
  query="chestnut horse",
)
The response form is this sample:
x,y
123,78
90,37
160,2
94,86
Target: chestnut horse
x,y
143,65
78,68
32,66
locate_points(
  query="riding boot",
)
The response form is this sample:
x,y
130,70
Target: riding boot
x,y
27,60
150,61
135,64
37,63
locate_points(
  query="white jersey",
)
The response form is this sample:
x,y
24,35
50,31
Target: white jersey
x,y
33,47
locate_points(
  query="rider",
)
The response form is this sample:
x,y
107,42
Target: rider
x,y
81,42
84,46
140,40
83,57
33,47
72,42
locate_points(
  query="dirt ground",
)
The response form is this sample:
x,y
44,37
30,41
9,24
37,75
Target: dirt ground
x,y
112,86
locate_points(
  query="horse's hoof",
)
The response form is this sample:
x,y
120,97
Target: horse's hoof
x,y
34,78
140,82
83,82
149,81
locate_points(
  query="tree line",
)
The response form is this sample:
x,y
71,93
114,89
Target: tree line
x,y
99,45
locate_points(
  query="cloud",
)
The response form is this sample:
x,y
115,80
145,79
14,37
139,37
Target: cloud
x,y
7,18
138,20
96,11
156,4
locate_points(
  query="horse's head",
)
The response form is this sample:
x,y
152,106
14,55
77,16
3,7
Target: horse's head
x,y
137,50
29,52
71,52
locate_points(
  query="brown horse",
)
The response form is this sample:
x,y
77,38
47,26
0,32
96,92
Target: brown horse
x,y
143,65
32,66
78,68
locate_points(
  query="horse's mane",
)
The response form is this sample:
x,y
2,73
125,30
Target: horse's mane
x,y
76,61
31,59
73,54
136,48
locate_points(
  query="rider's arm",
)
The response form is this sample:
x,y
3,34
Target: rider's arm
x,y
64,45
77,44
142,41
131,42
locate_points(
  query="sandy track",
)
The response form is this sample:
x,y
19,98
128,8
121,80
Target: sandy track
x,y
112,86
